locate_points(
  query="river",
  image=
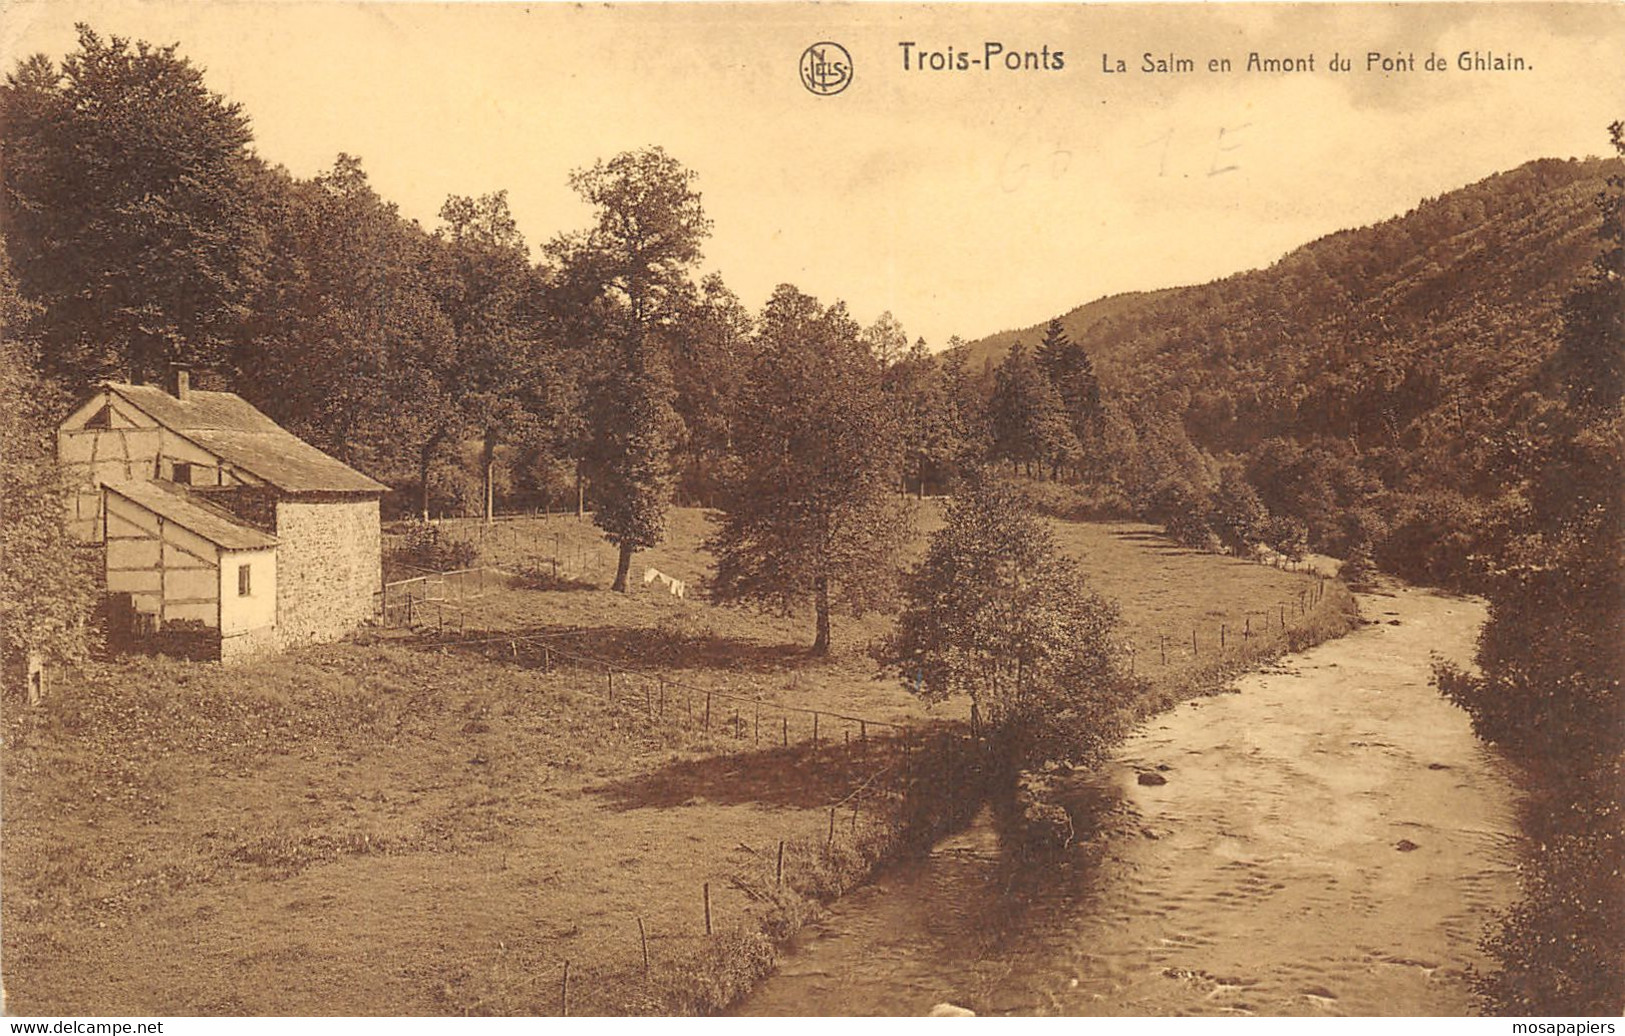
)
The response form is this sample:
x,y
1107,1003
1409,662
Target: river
x,y
1330,840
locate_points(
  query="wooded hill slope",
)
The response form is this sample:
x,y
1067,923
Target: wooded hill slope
x,y
1413,349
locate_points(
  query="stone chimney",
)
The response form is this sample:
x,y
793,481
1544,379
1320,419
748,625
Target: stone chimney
x,y
180,380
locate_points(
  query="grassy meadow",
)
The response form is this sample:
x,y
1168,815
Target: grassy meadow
x,y
435,822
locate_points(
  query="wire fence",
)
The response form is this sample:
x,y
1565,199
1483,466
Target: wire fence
x,y
406,602
884,756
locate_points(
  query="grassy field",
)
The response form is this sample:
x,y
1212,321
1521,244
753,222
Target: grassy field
x,y
435,823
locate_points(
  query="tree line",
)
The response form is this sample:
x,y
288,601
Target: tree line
x,y
142,230
453,363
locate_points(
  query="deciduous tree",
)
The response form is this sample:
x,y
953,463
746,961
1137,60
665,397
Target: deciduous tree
x,y
996,612
648,228
126,209
812,511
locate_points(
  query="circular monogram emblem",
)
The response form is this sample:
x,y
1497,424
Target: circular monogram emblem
x,y
826,69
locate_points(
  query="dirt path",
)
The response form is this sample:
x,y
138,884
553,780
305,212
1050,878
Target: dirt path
x,y
1330,840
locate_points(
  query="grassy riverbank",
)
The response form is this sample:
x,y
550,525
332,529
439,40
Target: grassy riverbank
x,y
418,825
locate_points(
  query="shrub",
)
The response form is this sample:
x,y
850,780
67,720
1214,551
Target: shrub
x,y
998,613
427,545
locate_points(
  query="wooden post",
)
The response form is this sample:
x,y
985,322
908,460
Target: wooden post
x,y
815,728
708,711
708,908
1222,632
547,659
1162,647
831,841
610,672
778,872
1194,652
787,731
643,937
662,697
1247,631
564,993
863,731
758,724
648,702
739,728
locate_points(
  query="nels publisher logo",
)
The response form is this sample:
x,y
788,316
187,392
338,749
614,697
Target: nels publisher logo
x,y
826,69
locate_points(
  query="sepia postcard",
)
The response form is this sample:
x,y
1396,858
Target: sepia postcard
x,y
1104,510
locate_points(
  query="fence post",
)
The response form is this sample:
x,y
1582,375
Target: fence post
x,y
643,937
778,875
1222,632
831,841
758,722
786,737
564,993
1162,647
1194,652
708,908
610,672
815,728
708,710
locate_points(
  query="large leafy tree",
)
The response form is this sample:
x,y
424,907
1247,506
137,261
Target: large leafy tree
x,y
710,344
346,344
996,612
127,214
812,512
633,267
920,391
484,287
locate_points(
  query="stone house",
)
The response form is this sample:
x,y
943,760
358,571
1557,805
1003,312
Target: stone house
x,y
216,520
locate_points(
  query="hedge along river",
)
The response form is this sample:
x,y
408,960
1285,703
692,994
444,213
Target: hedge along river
x,y
1332,839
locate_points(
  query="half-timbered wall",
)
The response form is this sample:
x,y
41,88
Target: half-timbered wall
x,y
108,440
168,571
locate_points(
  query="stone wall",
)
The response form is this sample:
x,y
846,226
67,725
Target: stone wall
x,y
328,567
249,644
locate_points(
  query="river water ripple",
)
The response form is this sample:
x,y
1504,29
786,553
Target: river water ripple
x,y
1331,840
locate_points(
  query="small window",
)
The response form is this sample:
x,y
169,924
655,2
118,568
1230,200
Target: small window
x,y
183,473
244,581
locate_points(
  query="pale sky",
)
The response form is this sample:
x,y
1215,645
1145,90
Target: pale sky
x,y
965,202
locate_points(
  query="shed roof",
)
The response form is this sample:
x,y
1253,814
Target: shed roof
x,y
175,504
234,430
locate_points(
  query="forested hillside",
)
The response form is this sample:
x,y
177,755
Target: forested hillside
x,y
1404,357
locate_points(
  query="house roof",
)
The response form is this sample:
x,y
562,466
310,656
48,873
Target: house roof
x,y
193,514
230,427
